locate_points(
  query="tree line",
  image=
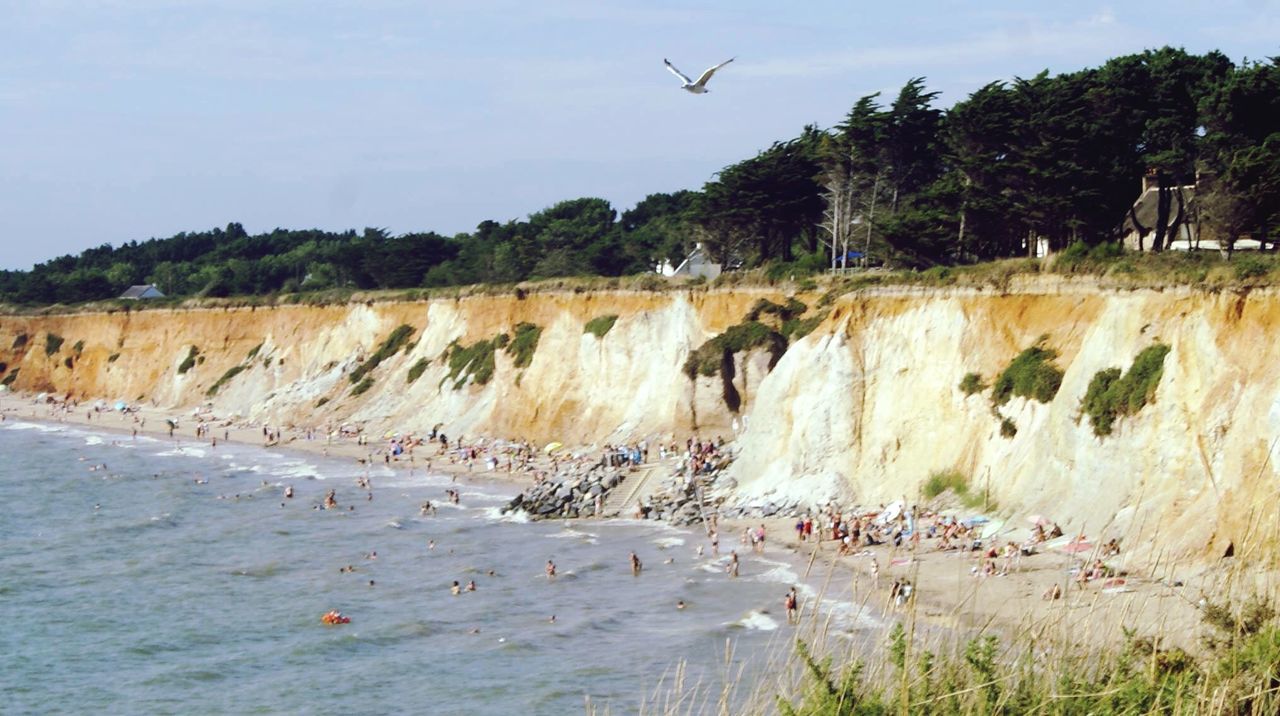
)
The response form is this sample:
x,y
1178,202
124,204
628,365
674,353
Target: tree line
x,y
900,181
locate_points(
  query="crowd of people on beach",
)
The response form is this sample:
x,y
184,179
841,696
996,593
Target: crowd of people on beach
x,y
856,533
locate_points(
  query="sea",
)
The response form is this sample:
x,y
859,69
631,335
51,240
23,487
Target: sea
x,y
153,576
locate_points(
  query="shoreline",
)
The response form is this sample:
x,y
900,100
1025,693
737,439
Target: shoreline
x,y
946,595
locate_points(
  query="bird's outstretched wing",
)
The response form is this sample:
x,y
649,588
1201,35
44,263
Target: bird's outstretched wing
x,y
676,72
702,81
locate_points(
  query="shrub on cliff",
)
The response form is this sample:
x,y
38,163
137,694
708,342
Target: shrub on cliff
x,y
791,309
226,377
474,361
393,343
707,359
8,379
1112,394
189,362
363,386
52,343
1032,374
416,370
600,325
19,341
972,383
523,344
796,328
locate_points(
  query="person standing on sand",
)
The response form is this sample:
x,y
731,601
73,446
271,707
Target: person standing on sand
x,y
792,604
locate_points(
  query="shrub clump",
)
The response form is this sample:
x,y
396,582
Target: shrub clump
x,y
189,362
523,344
600,325
1032,374
785,312
1112,394
322,402
52,343
393,343
20,341
226,377
745,336
78,348
113,357
972,383
253,352
940,482
474,361
796,328
1008,428
8,379
363,386
417,369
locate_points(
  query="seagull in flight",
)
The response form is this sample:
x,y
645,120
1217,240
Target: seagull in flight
x,y
699,87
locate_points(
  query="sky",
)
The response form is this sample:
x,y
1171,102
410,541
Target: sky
x,y
132,119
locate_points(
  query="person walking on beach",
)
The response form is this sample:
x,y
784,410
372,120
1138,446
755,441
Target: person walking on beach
x,y
792,604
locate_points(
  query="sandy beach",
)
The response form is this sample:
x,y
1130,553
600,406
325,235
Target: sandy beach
x,y
947,590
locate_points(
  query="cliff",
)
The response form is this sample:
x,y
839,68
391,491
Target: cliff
x,y
867,404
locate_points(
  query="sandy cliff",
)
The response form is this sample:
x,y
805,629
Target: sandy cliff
x,y
868,403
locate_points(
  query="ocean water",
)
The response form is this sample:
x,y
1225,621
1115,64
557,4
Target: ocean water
x,y
180,580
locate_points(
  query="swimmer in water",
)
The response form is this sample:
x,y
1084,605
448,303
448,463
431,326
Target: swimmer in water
x,y
431,544
680,604
550,569
551,619
288,491
456,589
471,585
636,566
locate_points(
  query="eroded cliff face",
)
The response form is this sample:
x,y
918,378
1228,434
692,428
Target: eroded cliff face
x,y
867,405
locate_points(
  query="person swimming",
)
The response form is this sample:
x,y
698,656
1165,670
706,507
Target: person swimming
x,y
550,569
456,589
680,604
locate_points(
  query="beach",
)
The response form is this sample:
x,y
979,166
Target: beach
x,y
947,590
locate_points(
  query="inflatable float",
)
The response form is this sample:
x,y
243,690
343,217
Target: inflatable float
x,y
334,617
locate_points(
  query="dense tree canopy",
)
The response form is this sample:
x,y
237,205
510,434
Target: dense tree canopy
x,y
1057,158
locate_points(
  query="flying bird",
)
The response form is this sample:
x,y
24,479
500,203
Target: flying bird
x,y
689,85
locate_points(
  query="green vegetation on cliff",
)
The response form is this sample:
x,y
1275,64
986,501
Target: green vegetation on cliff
x,y
1112,394
523,344
1032,374
189,362
417,369
226,378
600,325
391,345
474,361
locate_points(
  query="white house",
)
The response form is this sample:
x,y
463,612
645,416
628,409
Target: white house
x,y
142,292
697,263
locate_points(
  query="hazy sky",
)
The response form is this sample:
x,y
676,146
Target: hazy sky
x,y
129,119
